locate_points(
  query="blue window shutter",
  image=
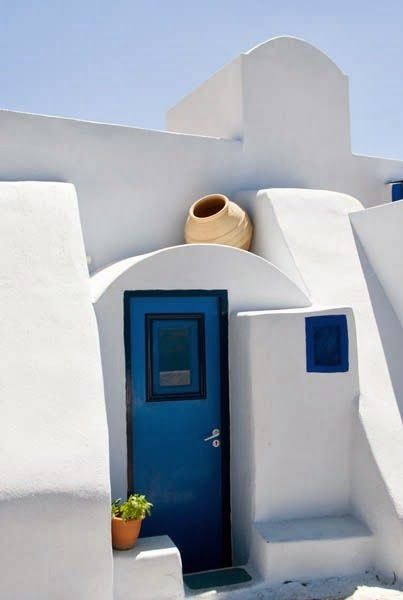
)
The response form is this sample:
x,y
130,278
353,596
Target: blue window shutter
x,y
397,191
326,344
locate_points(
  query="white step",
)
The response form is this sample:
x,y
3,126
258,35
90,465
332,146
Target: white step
x,y
149,571
304,549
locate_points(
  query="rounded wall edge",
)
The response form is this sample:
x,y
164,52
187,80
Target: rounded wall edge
x,y
251,279
288,43
252,284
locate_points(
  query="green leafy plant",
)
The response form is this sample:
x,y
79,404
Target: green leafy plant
x,y
115,508
136,507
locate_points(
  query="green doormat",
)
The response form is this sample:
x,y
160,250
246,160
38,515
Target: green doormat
x,y
219,578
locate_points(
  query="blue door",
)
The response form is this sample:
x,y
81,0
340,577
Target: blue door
x,y
178,419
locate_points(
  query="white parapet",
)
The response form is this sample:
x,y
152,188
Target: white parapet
x,y
152,570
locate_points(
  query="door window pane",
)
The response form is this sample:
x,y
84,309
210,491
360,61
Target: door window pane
x,y
175,357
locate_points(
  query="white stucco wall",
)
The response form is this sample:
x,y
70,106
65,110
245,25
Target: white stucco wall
x,y
380,232
214,108
284,106
294,121
291,429
252,283
379,241
298,98
55,490
316,227
268,238
134,186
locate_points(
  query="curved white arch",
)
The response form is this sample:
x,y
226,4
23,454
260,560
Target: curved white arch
x,y
252,282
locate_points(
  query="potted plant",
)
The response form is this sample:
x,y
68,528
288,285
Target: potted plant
x,y
126,520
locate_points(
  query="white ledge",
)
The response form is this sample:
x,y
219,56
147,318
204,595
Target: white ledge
x,y
151,570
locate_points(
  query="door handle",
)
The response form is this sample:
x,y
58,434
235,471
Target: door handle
x,y
214,434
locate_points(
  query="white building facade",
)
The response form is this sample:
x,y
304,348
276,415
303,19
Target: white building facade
x,y
291,352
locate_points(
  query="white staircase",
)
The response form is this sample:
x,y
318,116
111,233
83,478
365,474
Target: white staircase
x,y
304,549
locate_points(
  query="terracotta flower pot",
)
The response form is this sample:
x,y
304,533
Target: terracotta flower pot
x,y
125,533
215,219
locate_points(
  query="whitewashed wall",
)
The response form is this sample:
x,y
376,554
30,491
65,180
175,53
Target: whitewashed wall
x,y
268,239
252,283
380,231
319,237
292,106
283,107
134,186
55,488
291,430
214,108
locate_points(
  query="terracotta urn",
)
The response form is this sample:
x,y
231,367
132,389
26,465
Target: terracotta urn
x,y
125,533
214,219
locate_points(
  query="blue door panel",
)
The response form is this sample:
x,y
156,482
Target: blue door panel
x,y
175,347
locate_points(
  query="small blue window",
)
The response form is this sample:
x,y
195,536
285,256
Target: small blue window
x,y
175,356
326,344
397,191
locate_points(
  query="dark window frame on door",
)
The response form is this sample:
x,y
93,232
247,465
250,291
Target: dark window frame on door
x,y
197,371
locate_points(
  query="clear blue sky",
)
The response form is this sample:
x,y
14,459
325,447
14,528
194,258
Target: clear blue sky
x,y
127,61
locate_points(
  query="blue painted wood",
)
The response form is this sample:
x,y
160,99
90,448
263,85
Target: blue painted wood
x,y
397,191
172,464
326,344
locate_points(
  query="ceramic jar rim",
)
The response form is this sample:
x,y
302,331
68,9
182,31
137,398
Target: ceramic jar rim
x,y
209,197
